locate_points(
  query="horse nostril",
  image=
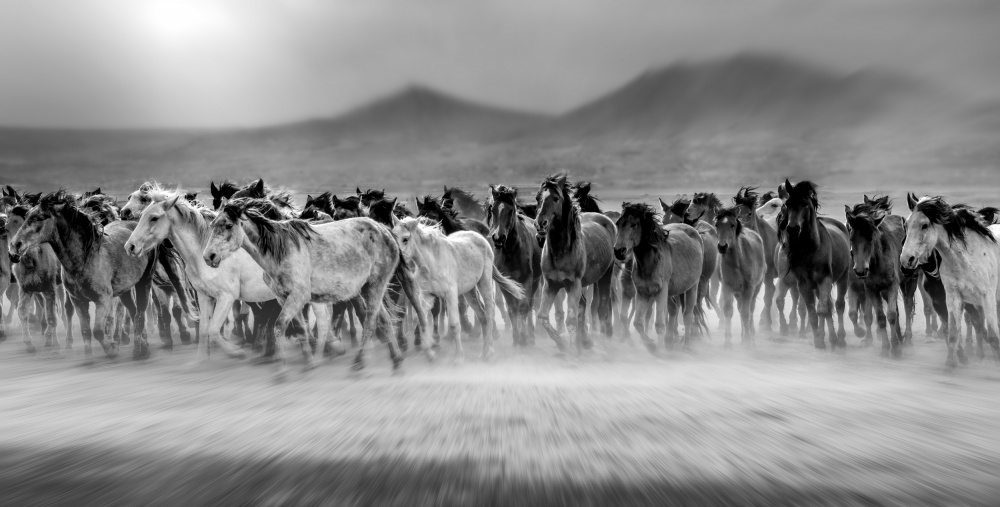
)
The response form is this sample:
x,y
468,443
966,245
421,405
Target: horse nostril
x,y
911,261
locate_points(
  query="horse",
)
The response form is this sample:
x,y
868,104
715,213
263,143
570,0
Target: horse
x,y
463,202
94,266
668,263
279,197
237,278
578,252
744,269
968,260
518,256
769,206
818,254
711,276
334,263
746,200
876,239
37,273
452,265
367,197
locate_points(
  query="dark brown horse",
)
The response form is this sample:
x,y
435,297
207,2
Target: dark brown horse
x,y
463,202
743,267
818,253
667,265
518,257
876,240
578,252
95,266
746,200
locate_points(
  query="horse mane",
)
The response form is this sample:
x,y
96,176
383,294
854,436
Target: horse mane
x,y
20,210
955,219
323,202
228,187
281,198
651,230
100,208
460,195
746,196
732,212
680,206
449,217
90,231
708,199
382,211
273,236
570,209
586,202
801,192
371,194
766,197
188,210
989,214
250,190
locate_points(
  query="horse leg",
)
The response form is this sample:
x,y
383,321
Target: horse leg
x,y
974,318
102,313
471,328
807,295
212,316
765,322
879,307
664,331
690,300
182,328
516,320
485,312
955,308
82,309
455,323
968,330
352,329
624,318
549,296
575,319
560,302
603,302
66,314
291,308
839,305
50,320
14,296
909,290
727,315
779,302
24,316
803,312
743,306
930,316
892,315
715,288
140,349
856,301
642,307
322,312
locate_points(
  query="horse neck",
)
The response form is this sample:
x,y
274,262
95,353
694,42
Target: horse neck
x,y
68,245
955,253
564,233
754,224
188,240
809,238
264,261
647,257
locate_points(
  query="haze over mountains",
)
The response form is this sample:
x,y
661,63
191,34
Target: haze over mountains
x,y
747,118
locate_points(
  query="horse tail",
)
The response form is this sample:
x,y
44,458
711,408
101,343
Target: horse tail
x,y
507,285
405,277
700,321
168,259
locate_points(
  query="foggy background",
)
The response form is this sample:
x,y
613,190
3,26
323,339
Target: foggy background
x,y
417,93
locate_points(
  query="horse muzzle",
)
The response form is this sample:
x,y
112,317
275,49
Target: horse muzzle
x,y
861,273
723,248
212,260
132,249
620,253
125,214
14,258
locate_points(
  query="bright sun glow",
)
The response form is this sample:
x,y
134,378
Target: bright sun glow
x,y
181,21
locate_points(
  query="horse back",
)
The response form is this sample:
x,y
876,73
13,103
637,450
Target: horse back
x,y
599,241
687,256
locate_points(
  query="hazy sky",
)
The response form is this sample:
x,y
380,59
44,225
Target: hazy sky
x,y
204,63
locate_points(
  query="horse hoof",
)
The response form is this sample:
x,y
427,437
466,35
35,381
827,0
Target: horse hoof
x,y
359,364
897,352
111,351
820,345
236,354
488,356
168,347
140,351
651,347
962,358
431,355
337,348
29,348
397,363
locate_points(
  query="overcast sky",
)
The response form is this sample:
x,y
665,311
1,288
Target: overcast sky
x,y
209,63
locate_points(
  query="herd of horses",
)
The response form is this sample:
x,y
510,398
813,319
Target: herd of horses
x,y
310,272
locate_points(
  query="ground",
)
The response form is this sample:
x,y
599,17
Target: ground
x,y
783,424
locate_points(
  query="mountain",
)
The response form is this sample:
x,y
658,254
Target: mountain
x,y
746,93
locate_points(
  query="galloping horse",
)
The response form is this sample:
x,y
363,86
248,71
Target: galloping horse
x,y
95,267
818,254
518,256
968,261
746,200
237,278
769,209
744,268
668,263
334,262
711,276
577,253
453,265
463,202
876,241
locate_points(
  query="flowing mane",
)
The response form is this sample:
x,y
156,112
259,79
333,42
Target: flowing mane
x,y
504,194
273,236
323,202
680,206
570,225
956,220
448,217
586,202
465,199
90,232
191,213
746,196
990,214
707,199
863,217
651,231
802,193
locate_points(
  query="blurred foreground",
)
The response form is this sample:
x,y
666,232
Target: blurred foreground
x,y
783,424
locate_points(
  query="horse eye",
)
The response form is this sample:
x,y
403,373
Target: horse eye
x,y
229,226
923,226
143,199
154,219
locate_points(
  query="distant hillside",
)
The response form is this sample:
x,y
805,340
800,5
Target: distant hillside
x,y
743,93
749,118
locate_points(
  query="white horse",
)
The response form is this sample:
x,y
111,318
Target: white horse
x,y
452,266
168,215
969,265
335,262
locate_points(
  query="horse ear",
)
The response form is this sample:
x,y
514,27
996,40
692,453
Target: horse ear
x,y
259,186
867,200
784,188
97,191
911,200
493,191
214,189
847,211
446,189
394,204
171,202
664,206
395,221
358,189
